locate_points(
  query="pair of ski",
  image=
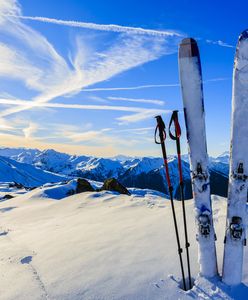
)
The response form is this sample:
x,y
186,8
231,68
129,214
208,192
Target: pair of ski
x,y
192,93
176,137
235,235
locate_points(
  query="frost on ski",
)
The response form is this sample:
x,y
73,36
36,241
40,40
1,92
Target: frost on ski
x,y
237,196
191,82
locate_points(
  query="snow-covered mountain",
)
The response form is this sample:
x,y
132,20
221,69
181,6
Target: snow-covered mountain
x,y
144,172
24,155
224,157
25,174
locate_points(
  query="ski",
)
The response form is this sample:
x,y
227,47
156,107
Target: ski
x,y
192,94
235,237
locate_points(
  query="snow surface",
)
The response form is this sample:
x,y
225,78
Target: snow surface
x,y
101,245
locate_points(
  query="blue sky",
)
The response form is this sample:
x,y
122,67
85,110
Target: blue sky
x,y
69,83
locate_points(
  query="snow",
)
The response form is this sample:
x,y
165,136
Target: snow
x,y
101,245
26,174
62,163
144,165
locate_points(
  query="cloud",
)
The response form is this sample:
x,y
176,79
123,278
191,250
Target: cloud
x,y
137,131
139,87
30,130
217,79
88,136
8,7
13,64
31,104
148,86
52,75
149,101
220,43
104,27
141,116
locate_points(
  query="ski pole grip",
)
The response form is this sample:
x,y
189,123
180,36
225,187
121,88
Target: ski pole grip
x,y
161,128
174,119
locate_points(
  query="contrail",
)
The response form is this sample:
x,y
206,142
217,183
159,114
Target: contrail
x,y
150,101
103,27
34,104
140,87
148,86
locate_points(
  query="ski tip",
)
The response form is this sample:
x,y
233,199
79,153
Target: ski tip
x,y
243,35
188,48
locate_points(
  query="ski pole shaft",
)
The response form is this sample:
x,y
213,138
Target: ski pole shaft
x,y
162,136
176,137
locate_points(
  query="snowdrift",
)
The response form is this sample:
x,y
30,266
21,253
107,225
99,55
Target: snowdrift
x,y
100,245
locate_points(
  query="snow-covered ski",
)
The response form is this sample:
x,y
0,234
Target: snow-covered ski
x,y
235,237
192,93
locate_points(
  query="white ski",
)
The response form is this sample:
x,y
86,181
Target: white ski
x,y
192,93
235,237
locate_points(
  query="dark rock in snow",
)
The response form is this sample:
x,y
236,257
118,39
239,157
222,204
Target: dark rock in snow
x,y
112,184
8,196
16,184
83,186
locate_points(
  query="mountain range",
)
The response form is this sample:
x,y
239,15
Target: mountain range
x,y
38,167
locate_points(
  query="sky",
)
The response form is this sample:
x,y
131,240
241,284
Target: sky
x,y
88,77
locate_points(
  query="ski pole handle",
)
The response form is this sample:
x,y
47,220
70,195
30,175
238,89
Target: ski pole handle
x,y
174,119
161,128
176,137
162,135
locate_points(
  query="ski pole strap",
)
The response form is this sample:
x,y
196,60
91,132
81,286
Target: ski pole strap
x,y
174,119
160,128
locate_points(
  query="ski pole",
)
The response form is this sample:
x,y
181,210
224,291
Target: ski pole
x,y
176,137
162,136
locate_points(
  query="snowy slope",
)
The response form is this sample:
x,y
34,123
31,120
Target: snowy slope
x,y
26,174
100,246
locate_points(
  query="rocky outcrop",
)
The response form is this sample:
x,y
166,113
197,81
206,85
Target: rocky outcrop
x,y
83,186
112,184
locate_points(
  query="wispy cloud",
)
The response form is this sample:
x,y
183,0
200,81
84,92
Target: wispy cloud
x,y
112,28
89,136
220,43
138,131
148,101
217,79
104,27
32,104
52,76
139,87
141,116
147,86
30,130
